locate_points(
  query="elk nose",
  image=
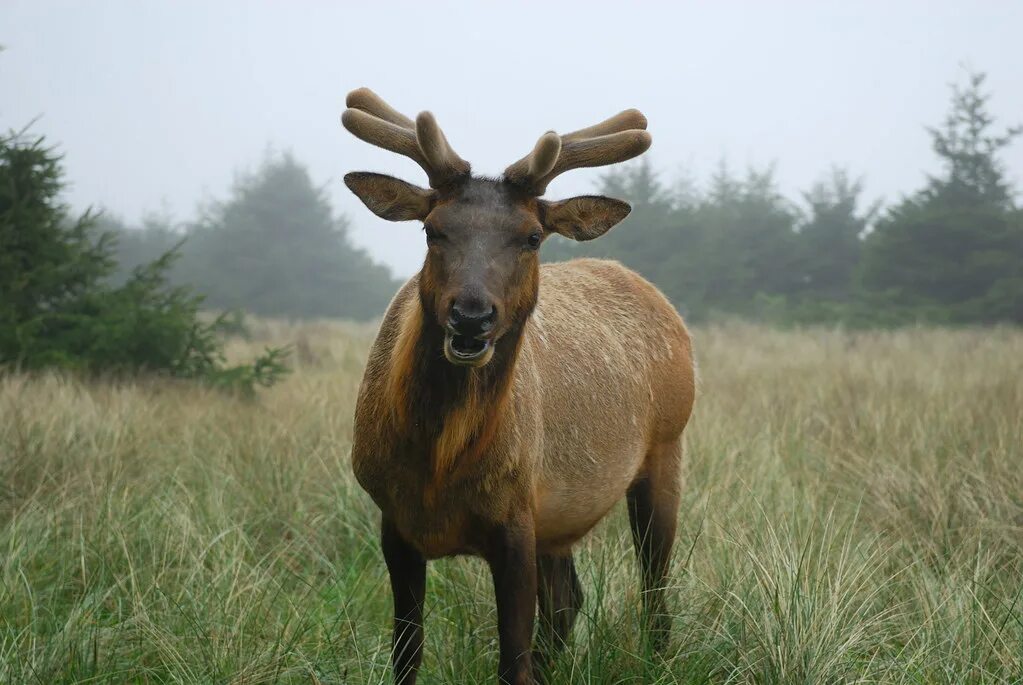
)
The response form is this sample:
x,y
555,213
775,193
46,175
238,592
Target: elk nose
x,y
472,317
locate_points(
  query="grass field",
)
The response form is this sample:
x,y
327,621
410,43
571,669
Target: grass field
x,y
853,513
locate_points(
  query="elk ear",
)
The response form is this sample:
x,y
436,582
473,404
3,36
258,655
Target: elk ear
x,y
585,217
390,198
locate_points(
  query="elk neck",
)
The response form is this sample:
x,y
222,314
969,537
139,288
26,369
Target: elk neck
x,y
450,413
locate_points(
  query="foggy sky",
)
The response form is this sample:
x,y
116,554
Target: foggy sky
x,y
157,105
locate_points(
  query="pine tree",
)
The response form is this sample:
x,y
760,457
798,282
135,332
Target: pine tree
x,y
954,250
741,254
829,241
275,248
968,148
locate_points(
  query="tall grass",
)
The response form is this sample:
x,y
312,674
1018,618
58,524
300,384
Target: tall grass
x,y
853,513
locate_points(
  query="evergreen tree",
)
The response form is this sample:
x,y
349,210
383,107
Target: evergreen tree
x,y
954,250
743,248
140,245
57,307
709,255
275,248
830,238
47,257
968,148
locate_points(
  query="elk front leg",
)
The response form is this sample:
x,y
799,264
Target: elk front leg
x,y
407,569
560,598
512,559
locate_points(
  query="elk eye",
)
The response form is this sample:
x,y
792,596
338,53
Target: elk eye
x,y
533,241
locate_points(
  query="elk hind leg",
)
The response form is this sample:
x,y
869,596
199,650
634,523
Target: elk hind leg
x,y
653,502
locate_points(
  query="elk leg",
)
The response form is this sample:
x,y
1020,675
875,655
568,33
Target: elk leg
x,y
560,597
407,569
511,554
653,514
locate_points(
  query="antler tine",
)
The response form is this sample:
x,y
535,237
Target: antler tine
x,y
371,119
390,136
444,161
625,120
368,101
613,140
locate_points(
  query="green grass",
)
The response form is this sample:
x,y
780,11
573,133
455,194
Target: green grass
x,y
853,513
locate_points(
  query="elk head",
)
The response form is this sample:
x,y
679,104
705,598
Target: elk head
x,y
480,279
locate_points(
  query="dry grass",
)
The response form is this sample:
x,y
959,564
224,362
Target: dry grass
x,y
853,513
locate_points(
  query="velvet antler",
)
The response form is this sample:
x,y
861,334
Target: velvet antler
x,y
617,139
370,118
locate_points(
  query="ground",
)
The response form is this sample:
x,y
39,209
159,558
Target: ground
x,y
853,512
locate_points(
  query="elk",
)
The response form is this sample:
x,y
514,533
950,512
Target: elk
x,y
507,406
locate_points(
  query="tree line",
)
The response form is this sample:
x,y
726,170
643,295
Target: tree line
x,y
949,253
90,292
274,248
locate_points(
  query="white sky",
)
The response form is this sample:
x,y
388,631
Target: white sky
x,y
158,104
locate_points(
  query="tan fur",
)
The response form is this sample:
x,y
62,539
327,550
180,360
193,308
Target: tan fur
x,y
402,358
600,392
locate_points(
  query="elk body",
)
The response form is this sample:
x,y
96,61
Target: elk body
x,y
507,406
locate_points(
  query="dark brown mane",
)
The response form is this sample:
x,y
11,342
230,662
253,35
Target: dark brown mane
x,y
453,412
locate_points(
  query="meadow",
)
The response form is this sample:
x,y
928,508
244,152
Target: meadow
x,y
853,513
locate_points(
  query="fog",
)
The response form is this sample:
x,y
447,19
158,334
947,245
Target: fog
x,y
158,105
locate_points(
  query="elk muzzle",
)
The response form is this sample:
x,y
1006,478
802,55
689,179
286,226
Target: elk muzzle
x,y
468,339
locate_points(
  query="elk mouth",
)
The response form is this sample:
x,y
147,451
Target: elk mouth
x,y
464,350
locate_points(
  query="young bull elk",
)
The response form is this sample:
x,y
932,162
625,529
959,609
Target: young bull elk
x,y
507,406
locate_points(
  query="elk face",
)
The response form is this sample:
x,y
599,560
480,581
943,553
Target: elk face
x,y
480,276
480,279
